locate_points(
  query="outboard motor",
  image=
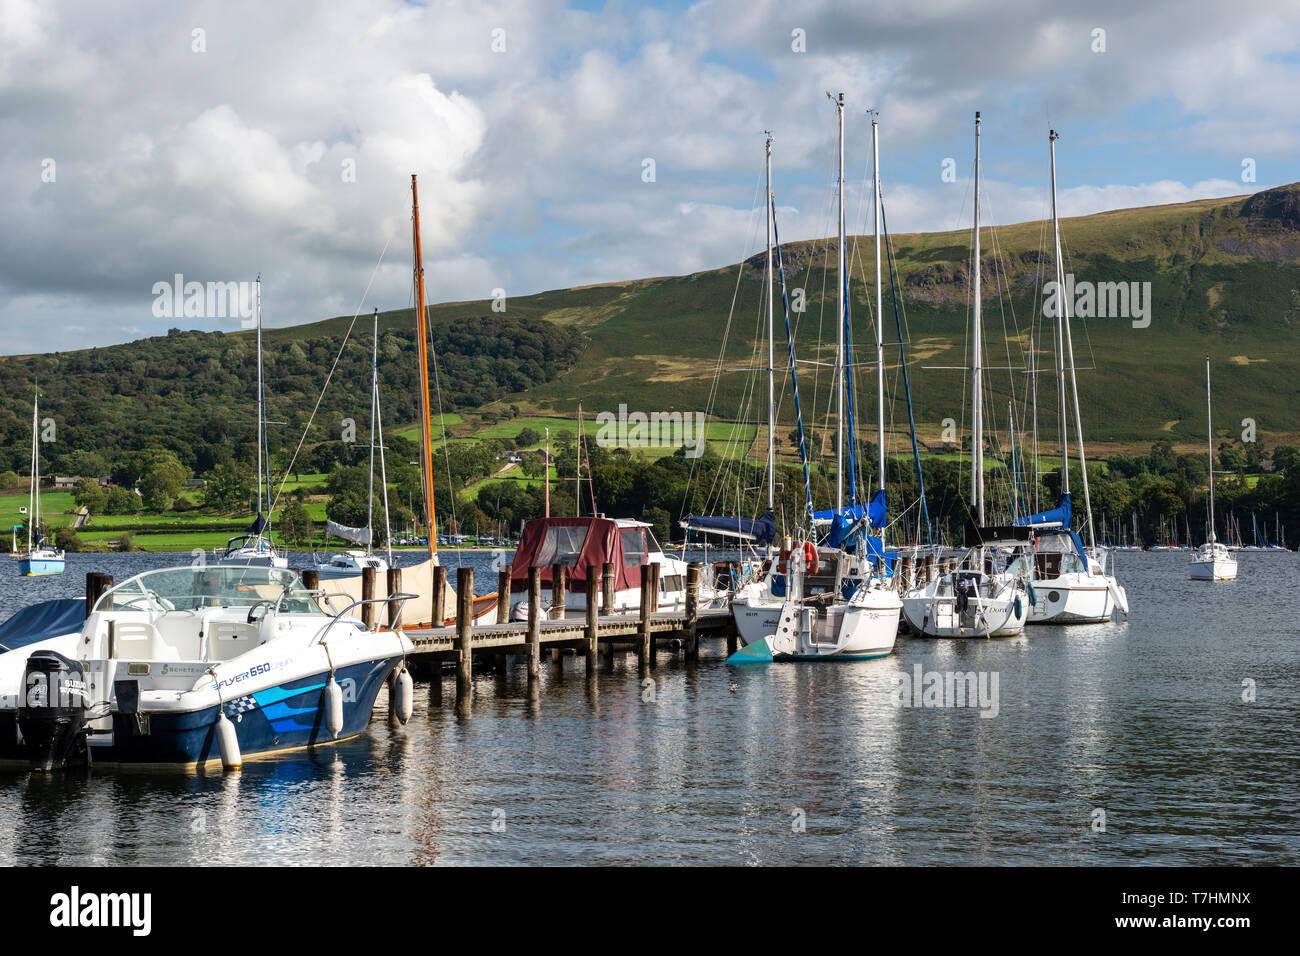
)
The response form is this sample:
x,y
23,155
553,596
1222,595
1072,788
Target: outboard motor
x,y
52,711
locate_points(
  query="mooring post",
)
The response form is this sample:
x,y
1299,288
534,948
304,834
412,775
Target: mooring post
x,y
643,631
655,570
559,578
593,612
368,594
692,611
503,595
311,579
394,584
439,596
464,638
607,588
96,584
534,623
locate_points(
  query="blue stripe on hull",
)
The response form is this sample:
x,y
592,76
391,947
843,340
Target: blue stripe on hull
x,y
285,717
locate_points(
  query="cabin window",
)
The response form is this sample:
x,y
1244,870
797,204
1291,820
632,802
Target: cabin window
x,y
672,582
562,545
634,550
654,545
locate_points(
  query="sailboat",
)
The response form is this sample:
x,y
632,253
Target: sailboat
x,y
351,563
39,558
819,603
987,595
1071,584
254,548
1212,561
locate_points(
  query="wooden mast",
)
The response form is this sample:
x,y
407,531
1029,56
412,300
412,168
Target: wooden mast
x,y
422,351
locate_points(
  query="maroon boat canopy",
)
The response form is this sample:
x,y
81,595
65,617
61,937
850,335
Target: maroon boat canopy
x,y
577,543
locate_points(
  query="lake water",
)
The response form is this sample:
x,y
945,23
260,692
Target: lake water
x,y
807,763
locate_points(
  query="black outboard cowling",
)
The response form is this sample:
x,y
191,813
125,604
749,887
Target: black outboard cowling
x,y
52,711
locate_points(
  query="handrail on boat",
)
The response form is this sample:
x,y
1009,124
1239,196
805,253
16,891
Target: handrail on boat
x,y
399,596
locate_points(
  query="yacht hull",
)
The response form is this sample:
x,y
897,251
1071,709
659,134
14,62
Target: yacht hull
x,y
1072,599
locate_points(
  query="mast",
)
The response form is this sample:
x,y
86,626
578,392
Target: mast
x,y
1209,431
261,414
880,306
977,370
1033,386
374,400
546,466
840,359
426,444
577,480
33,495
1074,381
771,369
1060,325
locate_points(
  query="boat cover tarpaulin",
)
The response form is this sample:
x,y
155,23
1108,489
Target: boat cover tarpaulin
x,y
355,535
1058,517
257,527
844,521
42,621
577,543
759,530
995,535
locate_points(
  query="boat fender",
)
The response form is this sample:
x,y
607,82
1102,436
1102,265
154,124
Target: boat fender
x,y
228,742
404,695
333,707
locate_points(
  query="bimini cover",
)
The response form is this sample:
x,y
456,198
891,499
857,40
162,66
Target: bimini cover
x,y
42,621
759,530
1058,517
577,543
1061,542
844,521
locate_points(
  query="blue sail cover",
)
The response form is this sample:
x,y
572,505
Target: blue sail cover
x,y
1057,517
258,525
41,622
759,530
844,520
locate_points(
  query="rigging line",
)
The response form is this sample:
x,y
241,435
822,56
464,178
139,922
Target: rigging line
x,y
321,396
722,350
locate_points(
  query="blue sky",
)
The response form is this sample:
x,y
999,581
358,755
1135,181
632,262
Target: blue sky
x,y
214,140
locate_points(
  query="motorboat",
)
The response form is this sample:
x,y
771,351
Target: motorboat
x,y
582,542
199,666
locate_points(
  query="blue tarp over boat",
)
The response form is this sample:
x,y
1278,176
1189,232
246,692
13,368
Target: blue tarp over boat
x,y
42,621
759,530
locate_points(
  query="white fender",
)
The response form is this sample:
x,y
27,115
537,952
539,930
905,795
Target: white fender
x,y
333,707
228,742
404,695
1119,594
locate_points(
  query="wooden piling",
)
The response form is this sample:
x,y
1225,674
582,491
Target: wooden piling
x,y
534,623
464,645
368,594
311,579
655,570
559,580
593,611
96,584
503,595
692,611
394,584
439,595
607,588
643,632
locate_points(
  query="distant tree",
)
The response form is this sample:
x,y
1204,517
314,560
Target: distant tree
x,y
295,525
225,487
121,501
528,437
9,479
89,495
161,479
1231,458
66,539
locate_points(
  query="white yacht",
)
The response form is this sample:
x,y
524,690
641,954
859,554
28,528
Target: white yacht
x,y
1212,560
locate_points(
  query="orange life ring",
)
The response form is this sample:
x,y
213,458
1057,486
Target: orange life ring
x,y
810,556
